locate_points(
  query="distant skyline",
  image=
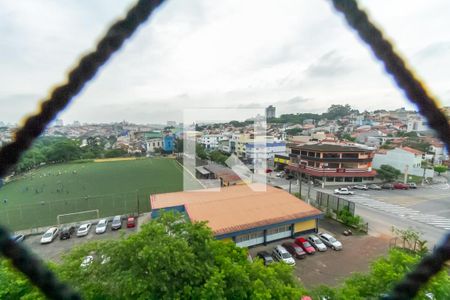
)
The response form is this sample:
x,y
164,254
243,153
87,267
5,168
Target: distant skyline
x,y
299,56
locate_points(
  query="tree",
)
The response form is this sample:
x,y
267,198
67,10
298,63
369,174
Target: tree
x,y
200,151
388,173
348,137
173,259
440,169
218,157
336,111
14,285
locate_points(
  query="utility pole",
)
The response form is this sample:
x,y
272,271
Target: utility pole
x,y
299,185
405,179
290,184
309,187
137,201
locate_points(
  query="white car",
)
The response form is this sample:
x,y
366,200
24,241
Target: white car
x,y
280,253
317,243
343,191
330,241
84,229
101,226
87,261
49,235
361,187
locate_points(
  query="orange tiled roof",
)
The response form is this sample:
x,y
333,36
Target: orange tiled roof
x,y
237,208
413,151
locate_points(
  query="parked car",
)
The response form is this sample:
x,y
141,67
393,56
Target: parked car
x,y
330,241
305,245
281,254
131,222
343,191
412,185
66,232
279,174
317,243
361,187
101,226
387,186
49,235
87,261
401,186
84,229
18,238
295,250
374,187
266,257
116,223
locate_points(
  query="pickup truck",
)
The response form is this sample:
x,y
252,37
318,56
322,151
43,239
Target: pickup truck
x,y
343,191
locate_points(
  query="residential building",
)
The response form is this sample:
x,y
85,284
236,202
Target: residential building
x,y
154,145
332,163
404,159
270,112
416,123
168,143
255,150
241,214
211,141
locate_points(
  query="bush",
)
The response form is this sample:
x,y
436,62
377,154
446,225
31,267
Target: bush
x,y
348,219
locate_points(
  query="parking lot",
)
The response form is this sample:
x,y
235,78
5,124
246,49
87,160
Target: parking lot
x,y
54,250
332,267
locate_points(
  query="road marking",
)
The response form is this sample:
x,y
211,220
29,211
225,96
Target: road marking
x,y
401,211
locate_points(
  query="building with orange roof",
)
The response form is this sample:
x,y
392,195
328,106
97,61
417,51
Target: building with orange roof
x,y
240,213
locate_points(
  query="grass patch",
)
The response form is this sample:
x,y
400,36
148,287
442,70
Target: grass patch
x,y
114,187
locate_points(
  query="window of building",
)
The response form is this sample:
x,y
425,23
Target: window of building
x,y
333,165
249,236
347,165
349,155
339,179
304,152
280,229
358,179
331,155
330,179
310,164
348,179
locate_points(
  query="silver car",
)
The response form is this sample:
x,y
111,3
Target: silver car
x,y
317,243
116,223
281,254
84,229
330,241
101,226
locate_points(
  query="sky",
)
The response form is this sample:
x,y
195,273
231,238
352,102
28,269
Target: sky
x,y
297,55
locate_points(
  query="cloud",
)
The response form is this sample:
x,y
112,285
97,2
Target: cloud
x,y
216,54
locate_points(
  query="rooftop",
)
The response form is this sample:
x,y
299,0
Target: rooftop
x,y
237,208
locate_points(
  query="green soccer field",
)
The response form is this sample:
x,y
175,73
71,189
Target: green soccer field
x,y
112,187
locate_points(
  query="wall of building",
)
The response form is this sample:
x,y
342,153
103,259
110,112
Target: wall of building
x,y
399,159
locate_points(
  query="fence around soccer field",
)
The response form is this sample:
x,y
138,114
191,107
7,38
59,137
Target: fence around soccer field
x,y
72,210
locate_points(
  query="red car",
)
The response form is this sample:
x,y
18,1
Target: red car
x,y
401,186
131,222
295,250
305,245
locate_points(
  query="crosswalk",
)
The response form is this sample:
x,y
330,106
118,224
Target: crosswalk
x,y
404,212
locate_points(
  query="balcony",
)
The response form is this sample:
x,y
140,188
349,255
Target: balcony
x,y
336,159
338,172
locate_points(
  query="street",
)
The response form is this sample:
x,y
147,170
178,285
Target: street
x,y
425,209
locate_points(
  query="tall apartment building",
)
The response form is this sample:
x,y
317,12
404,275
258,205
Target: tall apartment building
x,y
270,112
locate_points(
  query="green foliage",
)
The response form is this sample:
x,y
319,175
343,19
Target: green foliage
x,y
348,137
294,118
348,219
171,259
200,151
440,169
417,144
411,134
387,172
218,157
294,131
60,149
14,285
336,111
